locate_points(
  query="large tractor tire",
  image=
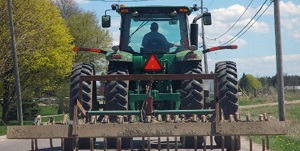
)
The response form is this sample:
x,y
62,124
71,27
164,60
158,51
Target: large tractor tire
x,y
116,92
191,95
116,97
89,98
191,89
228,88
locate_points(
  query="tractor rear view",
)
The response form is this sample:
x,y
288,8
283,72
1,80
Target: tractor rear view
x,y
154,88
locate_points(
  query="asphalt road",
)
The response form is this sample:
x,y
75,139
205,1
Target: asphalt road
x,y
44,145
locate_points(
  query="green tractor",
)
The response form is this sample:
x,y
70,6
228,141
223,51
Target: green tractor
x,y
156,40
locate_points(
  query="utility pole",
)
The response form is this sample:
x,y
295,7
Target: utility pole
x,y
203,40
15,58
280,82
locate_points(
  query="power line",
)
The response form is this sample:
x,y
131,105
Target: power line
x,y
235,21
251,24
210,3
246,24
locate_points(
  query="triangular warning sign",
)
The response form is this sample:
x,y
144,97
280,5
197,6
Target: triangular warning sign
x,y
152,64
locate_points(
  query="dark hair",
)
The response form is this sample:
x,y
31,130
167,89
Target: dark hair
x,y
154,26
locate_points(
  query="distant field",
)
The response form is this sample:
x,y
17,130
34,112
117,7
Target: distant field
x,y
262,99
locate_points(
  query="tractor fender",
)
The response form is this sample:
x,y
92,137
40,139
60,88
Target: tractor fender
x,y
119,56
189,55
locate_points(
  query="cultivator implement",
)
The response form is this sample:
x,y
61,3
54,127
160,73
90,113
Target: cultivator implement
x,y
170,128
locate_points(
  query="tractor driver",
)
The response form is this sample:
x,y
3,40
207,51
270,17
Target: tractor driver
x,y
155,40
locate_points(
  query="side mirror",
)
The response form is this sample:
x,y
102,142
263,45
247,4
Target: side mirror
x,y
207,19
106,21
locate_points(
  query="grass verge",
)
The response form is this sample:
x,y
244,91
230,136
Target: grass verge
x,y
291,141
45,111
290,95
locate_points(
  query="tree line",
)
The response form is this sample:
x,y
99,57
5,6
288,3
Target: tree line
x,y
45,32
253,85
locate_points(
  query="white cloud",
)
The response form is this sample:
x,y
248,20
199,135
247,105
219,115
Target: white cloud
x,y
289,9
81,1
264,66
290,19
224,18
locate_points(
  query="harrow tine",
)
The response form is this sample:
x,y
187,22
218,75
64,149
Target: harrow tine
x,y
51,143
76,143
131,143
195,142
211,142
250,142
183,142
168,144
143,143
105,144
204,143
223,143
176,144
119,144
92,144
267,142
232,143
263,144
32,144
159,144
62,144
149,144
239,141
36,144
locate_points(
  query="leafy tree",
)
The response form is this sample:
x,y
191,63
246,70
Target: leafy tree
x,y
43,46
85,28
87,32
250,84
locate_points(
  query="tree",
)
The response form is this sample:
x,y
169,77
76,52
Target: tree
x,y
87,32
43,46
250,84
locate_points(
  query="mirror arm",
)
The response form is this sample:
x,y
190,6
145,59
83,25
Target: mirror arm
x,y
197,18
107,10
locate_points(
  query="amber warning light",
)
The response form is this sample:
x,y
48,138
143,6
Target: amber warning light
x,y
152,64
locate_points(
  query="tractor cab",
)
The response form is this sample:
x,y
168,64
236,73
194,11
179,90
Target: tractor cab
x,y
153,29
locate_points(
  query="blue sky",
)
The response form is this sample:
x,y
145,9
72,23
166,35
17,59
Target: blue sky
x,y
256,54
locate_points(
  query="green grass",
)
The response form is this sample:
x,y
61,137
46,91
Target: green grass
x,y
45,110
50,110
291,141
3,130
262,99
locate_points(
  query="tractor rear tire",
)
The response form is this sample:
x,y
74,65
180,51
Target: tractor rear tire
x,y
116,92
88,98
116,96
191,95
191,89
228,88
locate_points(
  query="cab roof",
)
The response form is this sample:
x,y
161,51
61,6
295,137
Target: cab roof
x,y
156,9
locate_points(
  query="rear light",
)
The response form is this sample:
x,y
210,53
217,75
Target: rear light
x,y
124,10
183,10
152,64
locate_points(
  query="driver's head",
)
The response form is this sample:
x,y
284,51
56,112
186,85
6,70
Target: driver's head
x,y
154,26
